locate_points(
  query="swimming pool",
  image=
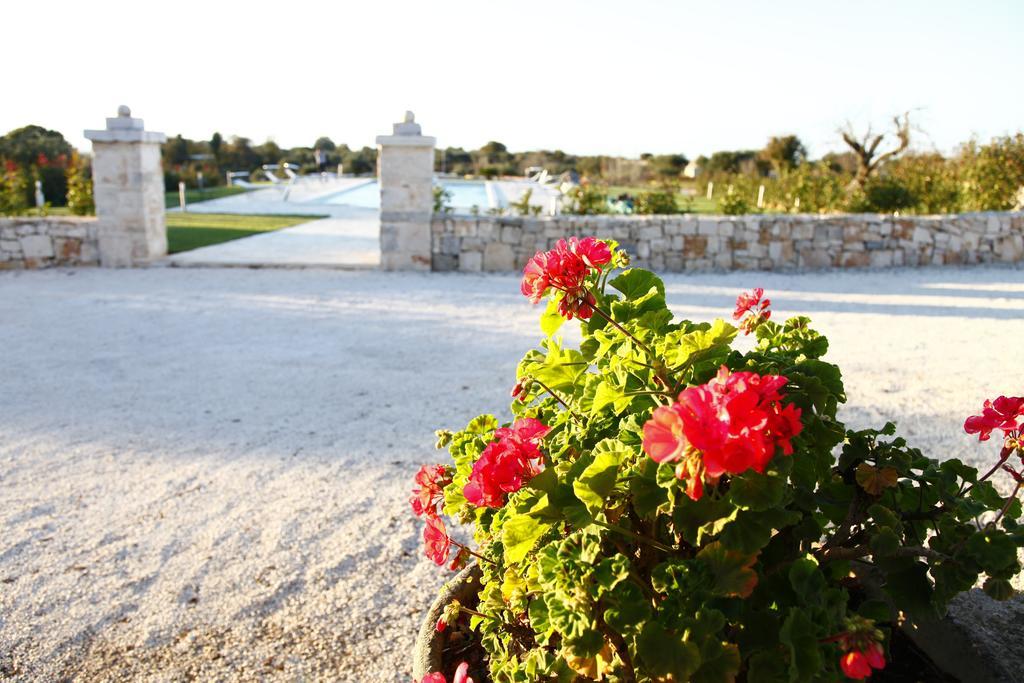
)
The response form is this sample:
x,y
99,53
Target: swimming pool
x,y
465,195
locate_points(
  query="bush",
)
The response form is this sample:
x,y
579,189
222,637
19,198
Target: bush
x,y
442,200
659,203
993,173
15,189
733,204
667,507
585,200
79,181
882,195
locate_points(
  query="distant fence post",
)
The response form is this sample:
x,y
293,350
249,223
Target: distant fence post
x,y
128,188
405,171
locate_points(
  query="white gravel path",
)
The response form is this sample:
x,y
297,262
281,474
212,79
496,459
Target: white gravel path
x,y
204,473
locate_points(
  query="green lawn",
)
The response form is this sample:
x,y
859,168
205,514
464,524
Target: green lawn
x,y
701,204
196,196
187,231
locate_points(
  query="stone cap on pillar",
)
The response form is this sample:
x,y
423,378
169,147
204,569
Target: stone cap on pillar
x,y
407,132
124,128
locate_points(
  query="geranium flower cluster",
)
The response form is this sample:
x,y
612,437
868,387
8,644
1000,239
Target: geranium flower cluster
x,y
566,269
862,649
756,309
427,497
1006,414
506,463
734,423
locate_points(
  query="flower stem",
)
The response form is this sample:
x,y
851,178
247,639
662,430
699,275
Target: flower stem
x,y
558,398
1009,502
470,551
623,330
467,610
635,536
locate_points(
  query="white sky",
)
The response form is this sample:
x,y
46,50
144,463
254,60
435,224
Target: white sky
x,y
585,77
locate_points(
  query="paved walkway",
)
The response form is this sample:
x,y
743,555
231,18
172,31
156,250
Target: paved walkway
x,y
351,242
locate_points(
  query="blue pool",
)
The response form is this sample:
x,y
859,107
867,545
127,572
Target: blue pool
x,y
465,195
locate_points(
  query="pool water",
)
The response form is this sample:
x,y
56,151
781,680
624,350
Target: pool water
x,y
464,195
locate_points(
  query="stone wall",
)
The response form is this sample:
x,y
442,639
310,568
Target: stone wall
x,y
40,242
763,242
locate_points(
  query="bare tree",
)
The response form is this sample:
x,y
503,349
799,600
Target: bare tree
x,y
865,149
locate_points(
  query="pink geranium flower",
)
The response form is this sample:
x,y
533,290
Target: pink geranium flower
x,y
1003,413
436,543
732,424
566,269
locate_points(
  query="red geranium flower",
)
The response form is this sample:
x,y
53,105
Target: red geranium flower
x,y
1002,414
751,302
732,424
857,664
566,268
461,676
506,464
436,542
428,493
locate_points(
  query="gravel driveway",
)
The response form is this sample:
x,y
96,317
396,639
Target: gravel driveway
x,y
204,473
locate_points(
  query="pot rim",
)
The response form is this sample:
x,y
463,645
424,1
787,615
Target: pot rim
x,y
429,647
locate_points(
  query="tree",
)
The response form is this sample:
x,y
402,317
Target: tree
x,y
216,142
667,166
25,145
324,143
177,151
784,152
865,148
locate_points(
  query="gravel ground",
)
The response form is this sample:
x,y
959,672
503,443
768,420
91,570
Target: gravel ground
x,y
204,473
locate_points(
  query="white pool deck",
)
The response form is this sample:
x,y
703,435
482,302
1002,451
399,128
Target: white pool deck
x,y
337,236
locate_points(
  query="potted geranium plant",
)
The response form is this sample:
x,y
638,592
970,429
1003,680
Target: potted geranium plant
x,y
666,508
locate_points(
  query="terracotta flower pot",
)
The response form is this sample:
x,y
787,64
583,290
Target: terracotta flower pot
x,y
428,651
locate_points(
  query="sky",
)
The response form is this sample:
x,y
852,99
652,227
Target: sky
x,y
587,77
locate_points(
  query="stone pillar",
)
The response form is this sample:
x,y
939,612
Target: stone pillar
x,y
128,187
405,169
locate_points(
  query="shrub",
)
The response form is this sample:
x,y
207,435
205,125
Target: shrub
x,y
931,180
657,202
442,200
666,507
733,204
585,200
15,189
883,195
79,181
993,173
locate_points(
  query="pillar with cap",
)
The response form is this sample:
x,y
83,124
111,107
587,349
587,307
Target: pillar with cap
x,y
405,169
128,188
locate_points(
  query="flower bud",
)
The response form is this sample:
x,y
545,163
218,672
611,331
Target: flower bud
x,y
444,437
449,615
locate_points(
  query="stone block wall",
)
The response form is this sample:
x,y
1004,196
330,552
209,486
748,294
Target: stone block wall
x,y
40,242
753,242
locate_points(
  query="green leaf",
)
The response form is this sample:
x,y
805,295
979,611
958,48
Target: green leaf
x,y
636,283
596,482
666,654
804,657
627,608
607,395
733,576
884,542
720,663
551,320
806,579
519,534
751,531
753,491
643,486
